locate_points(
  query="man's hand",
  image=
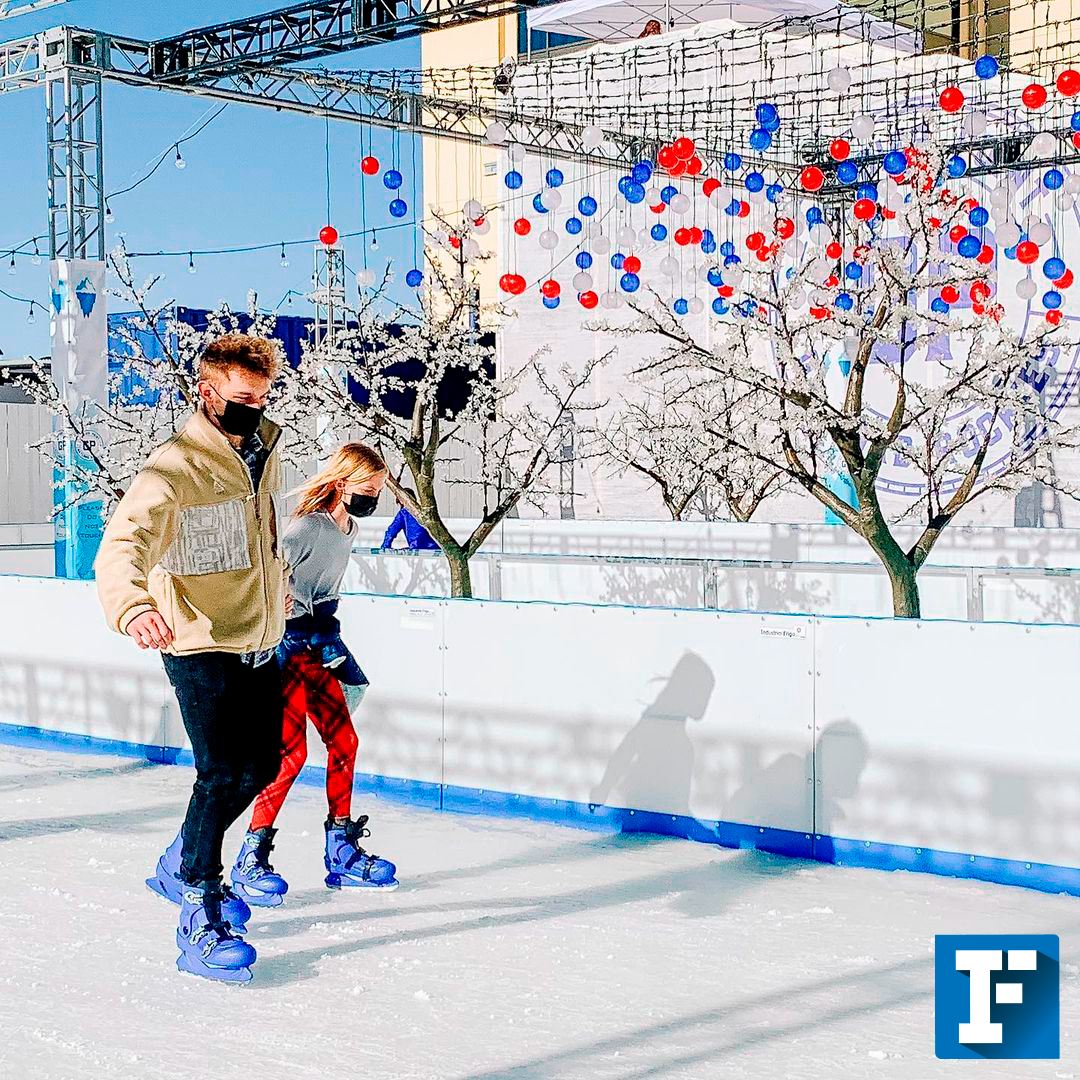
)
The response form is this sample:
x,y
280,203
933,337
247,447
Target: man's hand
x,y
150,631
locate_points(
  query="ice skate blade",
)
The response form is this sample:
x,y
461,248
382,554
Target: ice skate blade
x,y
190,966
257,899
340,881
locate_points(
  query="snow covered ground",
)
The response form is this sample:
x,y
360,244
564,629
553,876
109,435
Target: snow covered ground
x,y
512,949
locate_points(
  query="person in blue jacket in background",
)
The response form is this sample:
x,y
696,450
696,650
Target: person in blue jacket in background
x,y
416,536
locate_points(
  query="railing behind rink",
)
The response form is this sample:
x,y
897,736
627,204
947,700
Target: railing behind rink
x,y
977,583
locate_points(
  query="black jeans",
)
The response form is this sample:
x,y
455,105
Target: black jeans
x,y
233,716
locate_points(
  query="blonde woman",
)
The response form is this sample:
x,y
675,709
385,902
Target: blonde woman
x,y
314,664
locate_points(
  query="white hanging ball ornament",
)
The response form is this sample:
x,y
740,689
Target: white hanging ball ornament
x,y
611,300
697,306
977,123
591,137
516,152
552,198
1000,199
732,275
583,282
601,244
644,239
680,203
1031,221
483,228
470,248
1072,183
626,236
1043,145
1009,234
496,134
1063,201
821,234
472,210
851,347
862,127
839,79
1041,233
1026,289
653,196
797,297
549,240
669,266
365,278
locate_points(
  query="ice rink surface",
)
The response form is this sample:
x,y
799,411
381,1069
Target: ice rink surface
x,y
512,949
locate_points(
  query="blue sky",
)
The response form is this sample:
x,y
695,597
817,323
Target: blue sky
x,y
253,176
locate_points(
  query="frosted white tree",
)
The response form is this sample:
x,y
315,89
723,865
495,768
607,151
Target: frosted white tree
x,y
856,298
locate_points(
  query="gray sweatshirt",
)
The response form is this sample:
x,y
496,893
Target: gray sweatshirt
x,y
318,552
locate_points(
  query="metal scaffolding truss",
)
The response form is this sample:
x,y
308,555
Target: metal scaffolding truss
x,y
10,8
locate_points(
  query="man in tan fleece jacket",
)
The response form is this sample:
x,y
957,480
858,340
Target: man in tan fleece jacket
x,y
191,564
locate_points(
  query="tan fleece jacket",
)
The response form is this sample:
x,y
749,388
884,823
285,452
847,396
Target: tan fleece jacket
x,y
191,540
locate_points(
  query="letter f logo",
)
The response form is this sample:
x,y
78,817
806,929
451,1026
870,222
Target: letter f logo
x,y
979,963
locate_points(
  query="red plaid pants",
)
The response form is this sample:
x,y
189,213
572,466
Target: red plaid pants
x,y
310,690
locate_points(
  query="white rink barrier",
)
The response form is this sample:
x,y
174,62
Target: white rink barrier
x,y
941,746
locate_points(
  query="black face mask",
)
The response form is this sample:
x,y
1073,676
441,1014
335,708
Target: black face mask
x,y
361,506
240,420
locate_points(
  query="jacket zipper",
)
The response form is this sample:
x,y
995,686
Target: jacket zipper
x,y
259,544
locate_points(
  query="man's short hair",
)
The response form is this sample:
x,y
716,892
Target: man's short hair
x,y
257,355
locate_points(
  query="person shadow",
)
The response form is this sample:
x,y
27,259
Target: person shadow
x,y
653,766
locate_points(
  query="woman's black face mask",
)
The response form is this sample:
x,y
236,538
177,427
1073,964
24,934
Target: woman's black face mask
x,y
361,506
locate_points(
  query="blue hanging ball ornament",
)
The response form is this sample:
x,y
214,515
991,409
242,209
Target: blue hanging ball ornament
x,y
668,193
732,260
1054,268
635,192
714,279
630,282
680,307
732,161
642,172
1074,121
895,162
617,260
814,216
754,181
867,191
554,177
413,278
1053,179
979,216
538,205
624,183
399,208
732,208
719,306
939,305
847,172
766,112
773,192
587,206
392,179
760,139
513,180
708,242
727,248
853,271
986,67
658,232
573,226
583,260
969,247
1010,252
551,302
1051,299
844,301
957,166
771,126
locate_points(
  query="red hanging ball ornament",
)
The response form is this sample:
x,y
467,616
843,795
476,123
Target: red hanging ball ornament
x,y
755,240
696,235
523,226
986,256
950,294
834,250
784,228
677,169
694,166
888,214
744,208
839,149
1065,280
952,99
1068,82
957,233
328,235
764,253
455,241
588,300
506,283
1054,317
832,281
1027,251
659,208
1076,139
682,236
864,209
517,285
632,264
812,178
1034,96
684,148
725,291
710,186
979,291
934,222
369,166
551,288
666,157
978,309
819,312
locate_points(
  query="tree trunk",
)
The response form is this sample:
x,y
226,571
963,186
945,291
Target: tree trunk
x,y
905,586
460,576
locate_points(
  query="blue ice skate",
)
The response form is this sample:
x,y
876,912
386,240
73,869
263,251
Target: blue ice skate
x,y
253,878
208,945
166,882
348,865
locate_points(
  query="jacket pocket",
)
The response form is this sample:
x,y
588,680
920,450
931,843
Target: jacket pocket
x,y
210,540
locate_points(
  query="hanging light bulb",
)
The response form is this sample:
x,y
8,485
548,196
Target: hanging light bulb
x,y
36,257
109,215
180,163
11,265
374,241
191,263
30,316
284,258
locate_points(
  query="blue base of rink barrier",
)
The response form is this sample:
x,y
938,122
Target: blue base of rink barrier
x,y
840,851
